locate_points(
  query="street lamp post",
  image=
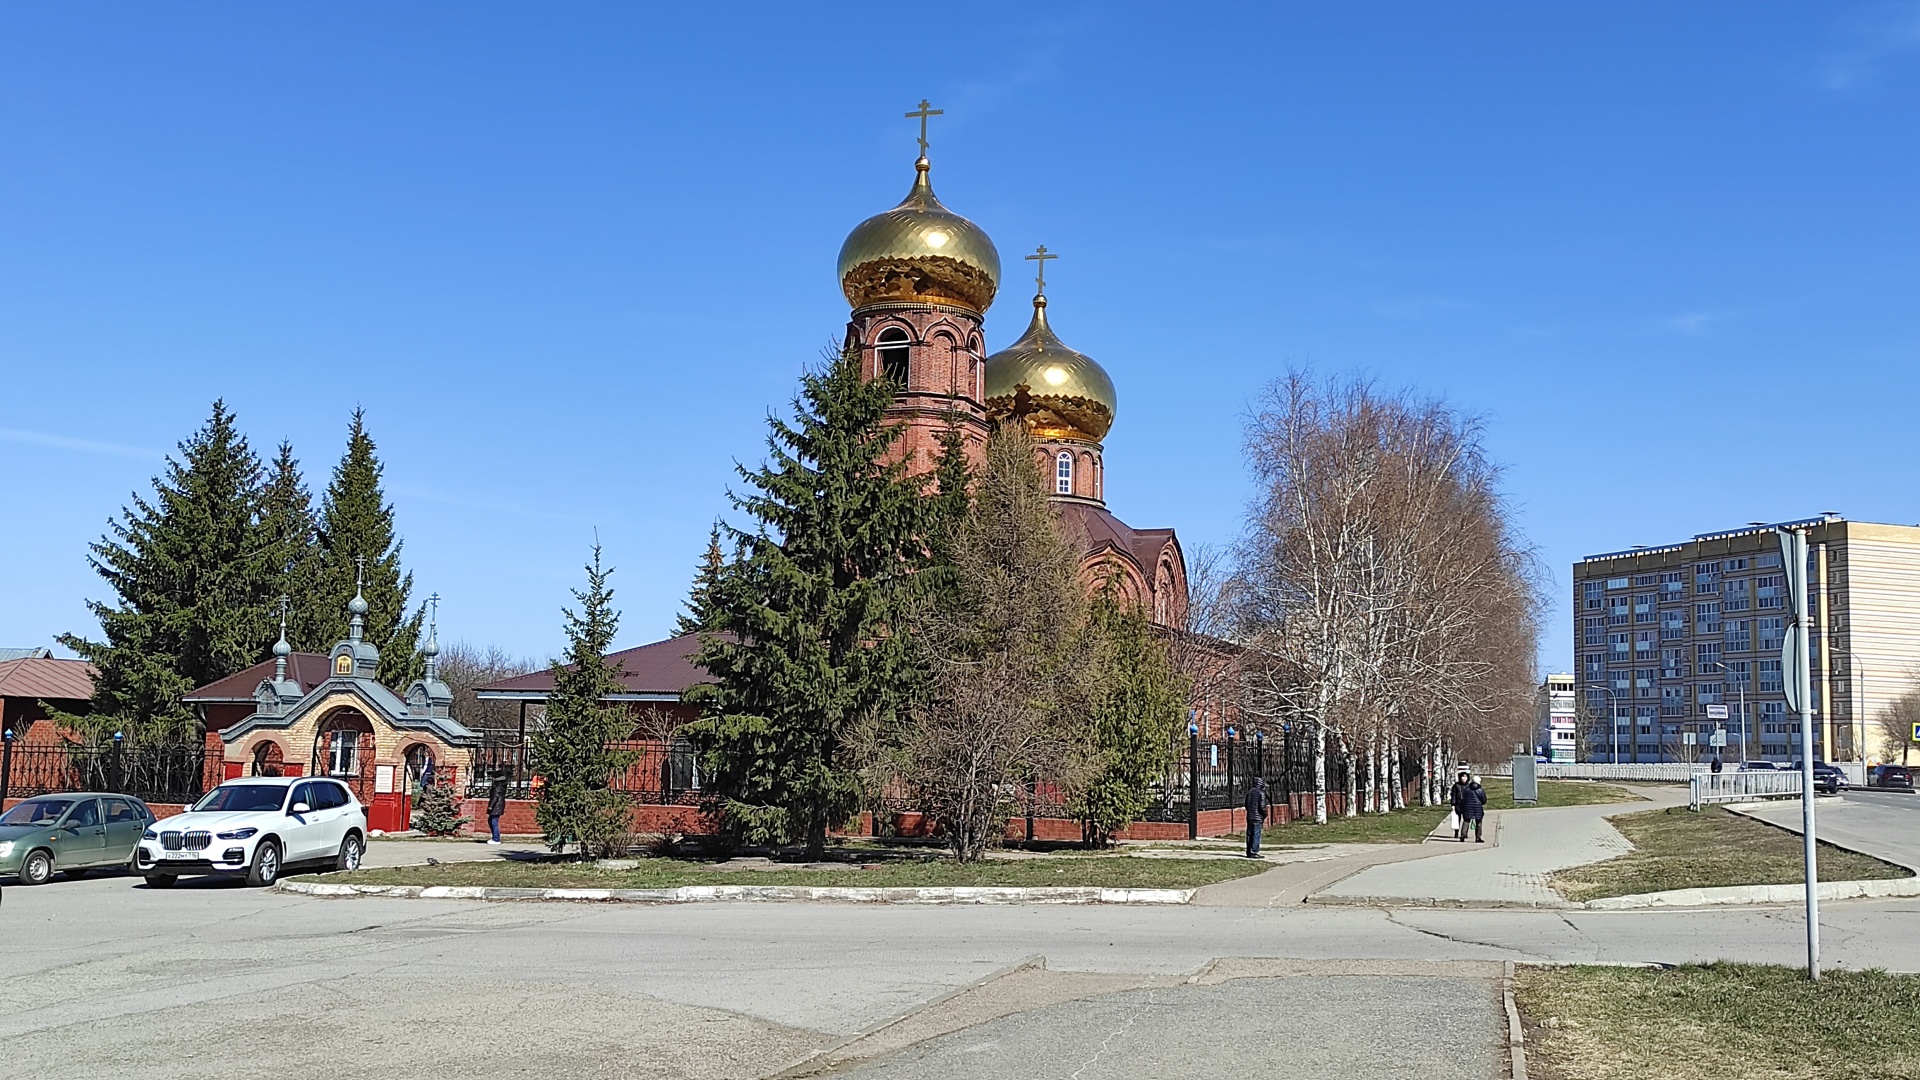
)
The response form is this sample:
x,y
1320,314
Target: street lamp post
x,y
1859,703
1726,673
1613,716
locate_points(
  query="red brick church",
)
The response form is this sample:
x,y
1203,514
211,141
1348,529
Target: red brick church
x,y
921,278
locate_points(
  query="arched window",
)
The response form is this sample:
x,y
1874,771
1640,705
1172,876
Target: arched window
x,y
1063,473
893,356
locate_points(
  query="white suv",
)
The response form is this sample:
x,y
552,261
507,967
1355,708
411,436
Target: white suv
x,y
257,827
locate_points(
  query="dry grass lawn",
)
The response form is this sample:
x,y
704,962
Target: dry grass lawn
x,y
1680,849
1718,1021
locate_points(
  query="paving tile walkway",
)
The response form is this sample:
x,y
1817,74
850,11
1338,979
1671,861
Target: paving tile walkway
x,y
1533,844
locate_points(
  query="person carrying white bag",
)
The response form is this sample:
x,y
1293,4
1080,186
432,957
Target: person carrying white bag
x,y
1455,820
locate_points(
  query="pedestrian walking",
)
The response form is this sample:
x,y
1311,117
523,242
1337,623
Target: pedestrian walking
x,y
1473,809
1256,815
1716,763
1454,795
496,804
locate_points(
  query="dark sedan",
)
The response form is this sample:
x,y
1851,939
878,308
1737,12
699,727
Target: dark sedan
x,y
1896,777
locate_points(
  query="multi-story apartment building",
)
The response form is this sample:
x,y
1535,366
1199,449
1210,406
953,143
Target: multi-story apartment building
x,y
1685,638
1558,727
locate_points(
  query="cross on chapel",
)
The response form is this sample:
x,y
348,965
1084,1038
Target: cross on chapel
x,y
921,114
1039,258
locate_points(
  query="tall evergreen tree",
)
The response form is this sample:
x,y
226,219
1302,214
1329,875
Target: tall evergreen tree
x,y
699,615
356,522
290,552
1014,666
191,602
1139,706
808,660
571,753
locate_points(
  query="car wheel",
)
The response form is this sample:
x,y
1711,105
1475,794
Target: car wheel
x,y
160,881
36,868
266,865
350,851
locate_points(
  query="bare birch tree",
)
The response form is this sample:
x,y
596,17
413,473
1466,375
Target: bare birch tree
x,y
1380,592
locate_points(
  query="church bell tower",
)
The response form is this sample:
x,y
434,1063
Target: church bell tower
x,y
920,278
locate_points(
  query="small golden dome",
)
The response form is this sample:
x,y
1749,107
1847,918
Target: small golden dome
x,y
919,251
1062,393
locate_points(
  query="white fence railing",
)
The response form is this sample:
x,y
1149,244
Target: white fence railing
x,y
1725,787
1669,773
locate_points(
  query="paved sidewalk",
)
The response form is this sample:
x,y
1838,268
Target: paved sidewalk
x,y
400,851
1533,844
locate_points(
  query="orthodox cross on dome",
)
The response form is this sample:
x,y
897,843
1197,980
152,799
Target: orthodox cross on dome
x,y
1039,258
359,571
921,114
433,617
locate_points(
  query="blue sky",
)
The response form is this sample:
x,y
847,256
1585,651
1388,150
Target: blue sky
x,y
568,257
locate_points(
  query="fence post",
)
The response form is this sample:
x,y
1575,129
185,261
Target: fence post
x,y
116,768
1230,741
1032,794
6,767
1193,782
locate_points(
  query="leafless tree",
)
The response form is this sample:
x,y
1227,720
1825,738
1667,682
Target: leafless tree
x,y
1381,593
465,668
1896,720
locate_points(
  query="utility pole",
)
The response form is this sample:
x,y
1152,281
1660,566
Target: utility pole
x,y
1798,667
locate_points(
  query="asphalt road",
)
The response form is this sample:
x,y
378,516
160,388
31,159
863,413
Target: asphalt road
x,y
1882,823
104,978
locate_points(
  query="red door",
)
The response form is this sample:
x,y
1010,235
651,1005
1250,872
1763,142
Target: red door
x,y
390,812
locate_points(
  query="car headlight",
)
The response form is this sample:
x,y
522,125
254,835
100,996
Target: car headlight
x,y
6,848
239,834
149,835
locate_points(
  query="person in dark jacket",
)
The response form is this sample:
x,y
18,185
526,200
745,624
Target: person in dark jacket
x,y
1256,815
496,803
1473,809
1716,764
1453,799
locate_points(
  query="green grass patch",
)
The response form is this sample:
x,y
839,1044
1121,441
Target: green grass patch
x,y
1557,793
1680,849
1113,872
1714,1021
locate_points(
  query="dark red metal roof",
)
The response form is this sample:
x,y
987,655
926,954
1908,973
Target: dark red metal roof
x,y
307,669
47,679
664,668
1104,530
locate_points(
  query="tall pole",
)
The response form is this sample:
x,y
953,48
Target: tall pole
x,y
1793,547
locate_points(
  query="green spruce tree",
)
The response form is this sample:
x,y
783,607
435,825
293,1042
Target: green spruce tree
x,y
356,523
290,551
807,658
191,602
571,754
1139,707
699,615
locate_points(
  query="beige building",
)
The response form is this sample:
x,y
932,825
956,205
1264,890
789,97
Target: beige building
x,y
1685,638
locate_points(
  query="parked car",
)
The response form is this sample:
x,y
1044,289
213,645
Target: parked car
x,y
1827,778
1758,766
257,828
71,833
1898,777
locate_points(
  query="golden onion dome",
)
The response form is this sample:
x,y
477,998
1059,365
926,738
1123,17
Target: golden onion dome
x,y
1062,393
919,251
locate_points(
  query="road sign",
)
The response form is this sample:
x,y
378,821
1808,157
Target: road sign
x,y
1687,738
1719,737
1716,712
1916,733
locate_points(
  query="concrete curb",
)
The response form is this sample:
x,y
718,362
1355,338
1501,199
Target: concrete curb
x,y
696,894
1755,894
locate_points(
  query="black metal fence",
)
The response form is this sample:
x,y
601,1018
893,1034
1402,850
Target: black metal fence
x,y
162,774
661,772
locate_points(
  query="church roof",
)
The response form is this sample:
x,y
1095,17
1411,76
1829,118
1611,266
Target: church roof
x,y
1104,531
661,671
46,678
307,669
